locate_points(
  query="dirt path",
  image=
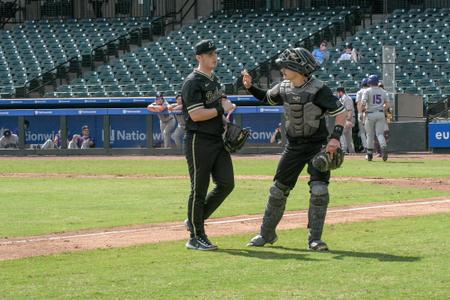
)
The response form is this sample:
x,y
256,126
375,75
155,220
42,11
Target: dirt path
x,y
441,184
17,248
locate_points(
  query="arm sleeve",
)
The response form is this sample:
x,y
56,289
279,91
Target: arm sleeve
x,y
327,101
271,96
192,96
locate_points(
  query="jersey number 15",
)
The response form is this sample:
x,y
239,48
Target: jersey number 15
x,y
377,99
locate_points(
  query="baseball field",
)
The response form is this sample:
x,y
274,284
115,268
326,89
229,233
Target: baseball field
x,y
111,228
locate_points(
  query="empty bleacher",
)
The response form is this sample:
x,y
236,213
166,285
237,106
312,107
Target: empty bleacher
x,y
36,47
247,39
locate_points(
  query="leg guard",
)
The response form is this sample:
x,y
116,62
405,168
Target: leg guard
x,y
317,209
274,210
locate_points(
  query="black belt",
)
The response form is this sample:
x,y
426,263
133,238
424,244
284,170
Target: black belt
x,y
369,112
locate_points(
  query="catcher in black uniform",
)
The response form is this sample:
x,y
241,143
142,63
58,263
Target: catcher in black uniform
x,y
306,100
203,109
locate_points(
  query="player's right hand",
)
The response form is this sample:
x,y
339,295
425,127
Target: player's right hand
x,y
246,79
227,105
154,108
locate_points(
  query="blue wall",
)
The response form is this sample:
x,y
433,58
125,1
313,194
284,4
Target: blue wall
x,y
128,126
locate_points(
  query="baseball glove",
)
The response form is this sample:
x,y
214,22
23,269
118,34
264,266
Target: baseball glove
x,y
234,137
324,161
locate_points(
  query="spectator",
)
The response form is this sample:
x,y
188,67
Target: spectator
x,y
347,137
349,54
177,108
321,54
167,121
276,136
9,140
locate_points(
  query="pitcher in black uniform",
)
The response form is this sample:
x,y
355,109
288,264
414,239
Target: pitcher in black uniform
x,y
203,108
306,100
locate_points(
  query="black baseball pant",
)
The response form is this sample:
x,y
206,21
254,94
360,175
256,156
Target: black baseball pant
x,y
294,158
206,158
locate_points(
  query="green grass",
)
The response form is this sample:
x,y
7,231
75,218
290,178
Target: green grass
x,y
394,168
34,206
393,259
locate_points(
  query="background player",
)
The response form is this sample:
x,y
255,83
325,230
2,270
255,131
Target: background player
x,y
177,108
167,121
361,116
375,101
347,136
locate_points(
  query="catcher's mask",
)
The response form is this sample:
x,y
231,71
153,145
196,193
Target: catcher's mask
x,y
298,60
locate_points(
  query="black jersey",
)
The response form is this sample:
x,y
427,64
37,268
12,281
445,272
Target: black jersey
x,y
202,91
324,99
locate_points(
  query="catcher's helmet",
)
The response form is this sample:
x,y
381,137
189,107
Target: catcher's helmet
x,y
373,80
298,60
364,82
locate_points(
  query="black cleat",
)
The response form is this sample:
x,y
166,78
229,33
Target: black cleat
x,y
318,245
200,243
369,156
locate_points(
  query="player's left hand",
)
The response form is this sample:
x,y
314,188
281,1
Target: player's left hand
x,y
332,146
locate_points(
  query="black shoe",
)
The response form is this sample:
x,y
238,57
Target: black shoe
x,y
369,156
384,154
318,245
200,243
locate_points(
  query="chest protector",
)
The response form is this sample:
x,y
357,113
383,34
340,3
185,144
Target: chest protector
x,y
301,114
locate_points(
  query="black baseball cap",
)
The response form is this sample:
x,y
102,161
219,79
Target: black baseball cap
x,y
205,46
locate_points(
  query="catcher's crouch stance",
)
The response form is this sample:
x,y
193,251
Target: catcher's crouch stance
x,y
305,100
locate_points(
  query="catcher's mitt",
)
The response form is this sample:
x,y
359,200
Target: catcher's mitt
x,y
323,161
234,137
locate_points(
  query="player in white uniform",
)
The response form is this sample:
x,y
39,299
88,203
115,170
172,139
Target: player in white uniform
x,y
347,136
374,102
361,116
177,108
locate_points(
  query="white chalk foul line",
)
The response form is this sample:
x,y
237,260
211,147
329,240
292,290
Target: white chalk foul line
x,y
287,215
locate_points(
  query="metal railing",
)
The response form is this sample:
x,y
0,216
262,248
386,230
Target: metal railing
x,y
7,11
177,17
61,9
438,110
